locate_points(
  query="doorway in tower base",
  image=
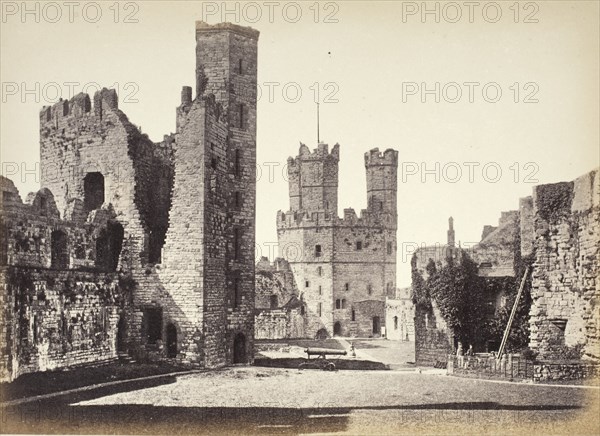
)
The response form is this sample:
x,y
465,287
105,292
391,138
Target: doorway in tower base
x,y
337,329
121,335
239,349
376,326
171,341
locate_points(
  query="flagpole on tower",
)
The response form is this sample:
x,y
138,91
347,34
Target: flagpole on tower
x,y
318,137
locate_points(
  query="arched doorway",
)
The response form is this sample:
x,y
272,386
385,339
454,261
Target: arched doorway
x,y
121,345
322,334
239,348
171,341
376,325
337,329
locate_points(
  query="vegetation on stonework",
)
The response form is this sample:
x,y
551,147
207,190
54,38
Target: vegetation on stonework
x,y
518,338
420,292
463,299
554,201
457,292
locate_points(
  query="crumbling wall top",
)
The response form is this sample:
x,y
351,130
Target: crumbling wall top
x,y
80,105
203,27
319,153
375,157
43,203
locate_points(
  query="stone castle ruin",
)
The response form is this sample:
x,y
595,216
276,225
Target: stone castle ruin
x,y
556,232
133,246
344,268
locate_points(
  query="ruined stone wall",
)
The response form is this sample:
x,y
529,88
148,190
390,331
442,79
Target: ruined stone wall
x,y
497,253
55,319
275,284
279,324
30,227
564,316
400,319
433,339
60,308
77,139
526,230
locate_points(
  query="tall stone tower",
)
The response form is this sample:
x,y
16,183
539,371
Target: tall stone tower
x,y
313,179
382,182
344,267
451,236
209,250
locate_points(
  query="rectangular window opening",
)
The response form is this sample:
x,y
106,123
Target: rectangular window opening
x,y
153,317
236,243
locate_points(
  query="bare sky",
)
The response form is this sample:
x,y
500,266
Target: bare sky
x,y
367,60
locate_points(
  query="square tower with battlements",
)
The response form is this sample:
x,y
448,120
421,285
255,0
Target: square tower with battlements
x,y
208,265
344,267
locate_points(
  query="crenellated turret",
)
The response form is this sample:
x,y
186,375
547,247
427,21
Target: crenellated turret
x,y
382,181
313,179
79,106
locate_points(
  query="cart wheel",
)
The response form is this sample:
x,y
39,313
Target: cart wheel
x,y
331,367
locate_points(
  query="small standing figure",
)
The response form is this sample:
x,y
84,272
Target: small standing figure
x,y
352,349
459,355
469,354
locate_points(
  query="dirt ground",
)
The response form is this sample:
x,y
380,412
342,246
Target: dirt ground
x,y
251,400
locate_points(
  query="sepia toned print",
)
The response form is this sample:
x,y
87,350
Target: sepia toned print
x,y
300,217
